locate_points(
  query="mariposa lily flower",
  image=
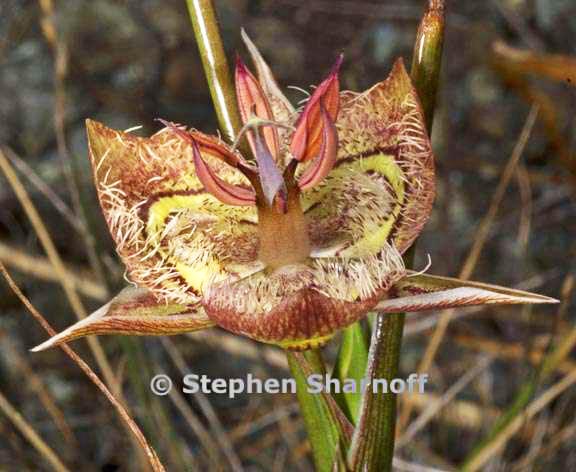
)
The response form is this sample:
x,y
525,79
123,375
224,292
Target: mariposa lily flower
x,y
286,246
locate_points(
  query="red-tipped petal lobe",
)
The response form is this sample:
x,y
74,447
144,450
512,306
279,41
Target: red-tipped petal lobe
x,y
253,101
223,191
306,141
326,158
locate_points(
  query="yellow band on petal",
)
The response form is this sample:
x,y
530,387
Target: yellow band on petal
x,y
189,233
301,345
369,192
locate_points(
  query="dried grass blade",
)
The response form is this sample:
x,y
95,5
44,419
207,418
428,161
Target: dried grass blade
x,y
124,415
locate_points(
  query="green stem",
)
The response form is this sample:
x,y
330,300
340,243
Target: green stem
x,y
329,430
392,329
215,64
373,448
427,58
389,328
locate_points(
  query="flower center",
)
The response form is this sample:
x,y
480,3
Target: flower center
x,y
283,232
282,227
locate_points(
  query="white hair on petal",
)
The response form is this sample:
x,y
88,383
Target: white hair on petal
x,y
345,279
351,279
424,270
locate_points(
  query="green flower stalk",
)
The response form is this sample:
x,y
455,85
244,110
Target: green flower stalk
x,y
215,65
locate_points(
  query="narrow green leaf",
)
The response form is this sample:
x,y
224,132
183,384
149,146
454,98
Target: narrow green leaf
x,y
351,364
328,429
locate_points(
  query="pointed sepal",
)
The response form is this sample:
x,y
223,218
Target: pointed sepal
x,y
418,292
134,311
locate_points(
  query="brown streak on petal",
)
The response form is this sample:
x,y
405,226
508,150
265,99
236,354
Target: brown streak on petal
x,y
388,150
154,198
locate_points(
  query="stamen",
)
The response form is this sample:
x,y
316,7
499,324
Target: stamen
x,y
253,101
222,190
256,122
326,158
423,271
306,140
208,146
301,90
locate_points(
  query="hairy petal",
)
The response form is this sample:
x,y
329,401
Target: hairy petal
x,y
302,306
253,102
381,188
173,236
306,140
134,311
425,292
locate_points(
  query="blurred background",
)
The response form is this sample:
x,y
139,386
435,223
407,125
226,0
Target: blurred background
x,y
504,213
